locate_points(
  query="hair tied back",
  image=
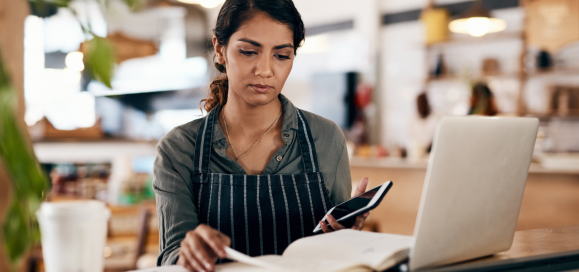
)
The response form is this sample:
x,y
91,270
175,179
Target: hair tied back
x,y
220,67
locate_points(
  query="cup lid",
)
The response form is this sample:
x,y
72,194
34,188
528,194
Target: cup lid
x,y
73,209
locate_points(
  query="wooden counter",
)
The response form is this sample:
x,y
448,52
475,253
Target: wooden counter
x,y
550,249
530,243
551,196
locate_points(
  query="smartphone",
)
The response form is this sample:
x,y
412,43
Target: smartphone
x,y
346,212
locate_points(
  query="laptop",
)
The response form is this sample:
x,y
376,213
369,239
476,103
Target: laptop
x,y
473,189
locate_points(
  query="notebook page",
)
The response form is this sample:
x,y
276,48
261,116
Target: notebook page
x,y
171,268
239,267
235,255
367,248
281,263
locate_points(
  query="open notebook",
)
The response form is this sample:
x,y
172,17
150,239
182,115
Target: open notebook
x,y
344,250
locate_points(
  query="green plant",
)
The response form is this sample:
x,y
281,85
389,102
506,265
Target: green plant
x,y
29,183
20,228
100,60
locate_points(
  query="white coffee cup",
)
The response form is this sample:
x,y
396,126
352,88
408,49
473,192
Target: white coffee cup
x,y
73,235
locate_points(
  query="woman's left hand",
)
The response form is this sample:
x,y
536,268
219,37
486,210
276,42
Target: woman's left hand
x,y
359,224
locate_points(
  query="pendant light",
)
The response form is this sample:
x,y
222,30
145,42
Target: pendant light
x,y
477,22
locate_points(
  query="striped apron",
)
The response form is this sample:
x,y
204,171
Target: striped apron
x,y
262,214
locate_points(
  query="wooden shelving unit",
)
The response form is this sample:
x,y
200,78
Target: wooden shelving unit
x,y
523,74
466,40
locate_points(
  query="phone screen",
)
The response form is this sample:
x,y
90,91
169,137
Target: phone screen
x,y
354,204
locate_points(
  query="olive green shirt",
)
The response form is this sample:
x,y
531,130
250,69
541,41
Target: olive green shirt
x,y
174,164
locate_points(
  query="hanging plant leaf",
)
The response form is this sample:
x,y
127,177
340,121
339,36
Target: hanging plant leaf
x,y
100,59
133,4
19,229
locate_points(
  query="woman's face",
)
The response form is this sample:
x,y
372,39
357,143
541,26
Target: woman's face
x,y
258,59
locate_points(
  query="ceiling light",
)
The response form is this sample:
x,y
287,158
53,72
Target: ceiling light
x,y
477,22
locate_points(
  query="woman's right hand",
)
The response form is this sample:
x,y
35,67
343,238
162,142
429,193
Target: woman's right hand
x,y
201,248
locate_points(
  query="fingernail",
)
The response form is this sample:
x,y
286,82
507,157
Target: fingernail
x,y
208,266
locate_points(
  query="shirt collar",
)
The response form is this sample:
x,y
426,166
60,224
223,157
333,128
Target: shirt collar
x,y
290,116
290,122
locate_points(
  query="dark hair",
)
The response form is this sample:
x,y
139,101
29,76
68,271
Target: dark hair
x,y
482,100
422,105
232,15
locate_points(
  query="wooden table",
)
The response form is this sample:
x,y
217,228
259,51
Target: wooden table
x,y
551,249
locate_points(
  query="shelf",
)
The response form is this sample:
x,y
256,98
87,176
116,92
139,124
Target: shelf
x,y
91,152
473,78
529,75
566,163
547,117
154,74
554,72
147,86
388,162
466,39
550,163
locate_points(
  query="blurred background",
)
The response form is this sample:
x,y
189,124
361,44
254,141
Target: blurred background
x,y
384,70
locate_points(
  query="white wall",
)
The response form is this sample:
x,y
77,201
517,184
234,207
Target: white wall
x,y
319,12
403,73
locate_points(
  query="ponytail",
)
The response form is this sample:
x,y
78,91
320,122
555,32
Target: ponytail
x,y
218,89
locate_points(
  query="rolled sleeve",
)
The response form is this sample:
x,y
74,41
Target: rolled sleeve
x,y
175,201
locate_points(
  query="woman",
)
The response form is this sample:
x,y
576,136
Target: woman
x,y
421,128
256,173
482,101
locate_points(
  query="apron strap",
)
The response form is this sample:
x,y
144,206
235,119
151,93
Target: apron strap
x,y
204,142
306,141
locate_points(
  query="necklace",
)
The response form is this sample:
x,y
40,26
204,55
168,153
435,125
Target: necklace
x,y
231,144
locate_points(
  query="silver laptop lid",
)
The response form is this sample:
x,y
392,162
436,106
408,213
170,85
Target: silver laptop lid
x,y
473,188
